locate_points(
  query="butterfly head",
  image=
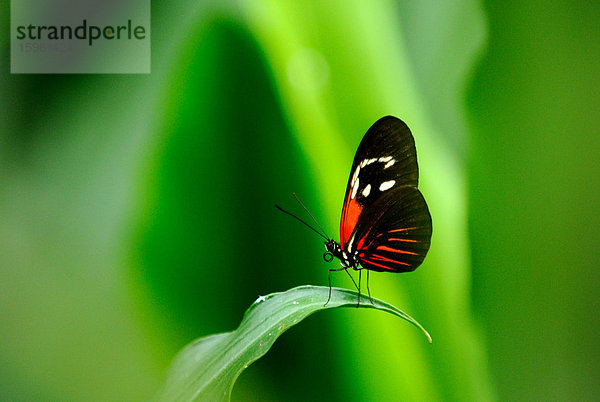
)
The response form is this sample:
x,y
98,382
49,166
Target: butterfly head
x,y
334,250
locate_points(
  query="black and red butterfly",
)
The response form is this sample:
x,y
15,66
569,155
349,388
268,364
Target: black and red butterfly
x,y
385,225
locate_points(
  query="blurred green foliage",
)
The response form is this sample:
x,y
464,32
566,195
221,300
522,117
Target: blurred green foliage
x,y
136,212
534,191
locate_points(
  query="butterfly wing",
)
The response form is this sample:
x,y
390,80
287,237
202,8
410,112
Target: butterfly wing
x,y
386,158
393,234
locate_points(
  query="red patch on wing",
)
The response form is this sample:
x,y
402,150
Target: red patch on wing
x,y
382,258
361,242
393,250
379,265
401,230
406,240
350,214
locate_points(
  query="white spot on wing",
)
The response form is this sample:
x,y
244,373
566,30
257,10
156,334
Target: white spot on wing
x,y
350,242
371,161
366,191
386,185
354,189
385,159
390,163
355,177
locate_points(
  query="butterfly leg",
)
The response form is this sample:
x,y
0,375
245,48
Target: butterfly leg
x,y
369,290
359,275
356,285
329,277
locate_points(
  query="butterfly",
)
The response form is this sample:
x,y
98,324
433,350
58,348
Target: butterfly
x,y
385,224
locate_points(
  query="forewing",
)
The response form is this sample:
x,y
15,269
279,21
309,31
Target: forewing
x,y
386,158
394,233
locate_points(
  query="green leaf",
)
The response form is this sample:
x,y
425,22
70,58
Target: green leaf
x,y
207,368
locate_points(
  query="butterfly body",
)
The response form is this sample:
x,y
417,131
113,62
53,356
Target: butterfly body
x,y
335,250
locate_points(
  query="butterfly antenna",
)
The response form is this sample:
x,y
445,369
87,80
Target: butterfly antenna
x,y
311,215
294,216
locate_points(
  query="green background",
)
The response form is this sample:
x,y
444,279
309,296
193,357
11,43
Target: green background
x,y
136,211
